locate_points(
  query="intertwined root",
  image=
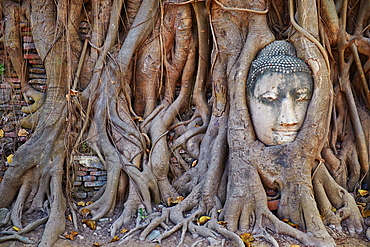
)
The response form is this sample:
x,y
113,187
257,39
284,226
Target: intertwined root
x,y
248,212
335,204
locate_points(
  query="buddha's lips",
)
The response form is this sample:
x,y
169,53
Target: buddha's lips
x,y
286,133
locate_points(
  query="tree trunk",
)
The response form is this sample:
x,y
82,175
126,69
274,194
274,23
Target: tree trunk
x,y
158,92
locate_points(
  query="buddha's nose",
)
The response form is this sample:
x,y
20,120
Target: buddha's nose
x,y
287,115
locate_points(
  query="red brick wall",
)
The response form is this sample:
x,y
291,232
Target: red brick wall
x,y
89,179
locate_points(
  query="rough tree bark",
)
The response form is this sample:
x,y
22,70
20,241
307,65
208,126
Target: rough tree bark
x,y
136,90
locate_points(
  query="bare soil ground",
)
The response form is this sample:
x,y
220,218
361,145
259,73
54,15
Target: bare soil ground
x,y
88,237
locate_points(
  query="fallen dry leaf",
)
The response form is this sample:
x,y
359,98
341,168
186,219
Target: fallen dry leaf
x,y
179,199
171,201
23,132
363,192
140,119
1,133
81,203
71,236
222,223
73,92
247,238
90,223
195,162
69,217
17,229
365,213
114,239
9,159
124,230
203,219
291,224
89,202
96,244
361,204
84,212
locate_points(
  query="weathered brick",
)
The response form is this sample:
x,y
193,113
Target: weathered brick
x,y
37,81
12,79
102,178
37,70
38,87
94,183
35,61
98,173
37,66
274,204
77,183
88,169
27,38
9,108
31,56
26,29
37,76
89,178
15,102
16,97
80,194
29,46
89,161
5,86
26,33
22,138
90,194
11,134
81,173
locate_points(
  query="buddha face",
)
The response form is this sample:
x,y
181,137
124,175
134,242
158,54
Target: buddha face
x,y
278,103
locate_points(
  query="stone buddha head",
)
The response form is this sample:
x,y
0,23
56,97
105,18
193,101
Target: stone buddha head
x,y
279,89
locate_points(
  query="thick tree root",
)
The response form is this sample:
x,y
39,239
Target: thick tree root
x,y
335,203
17,235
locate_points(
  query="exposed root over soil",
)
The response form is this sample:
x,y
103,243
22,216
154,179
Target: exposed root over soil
x,y
158,94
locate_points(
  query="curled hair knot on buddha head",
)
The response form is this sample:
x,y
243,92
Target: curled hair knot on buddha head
x,y
279,56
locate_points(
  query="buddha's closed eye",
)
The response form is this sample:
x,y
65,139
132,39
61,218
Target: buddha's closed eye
x,y
269,96
303,95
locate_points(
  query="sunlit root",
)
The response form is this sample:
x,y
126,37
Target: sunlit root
x,y
130,209
12,235
38,99
244,214
16,236
5,214
335,203
30,121
18,207
105,204
175,214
